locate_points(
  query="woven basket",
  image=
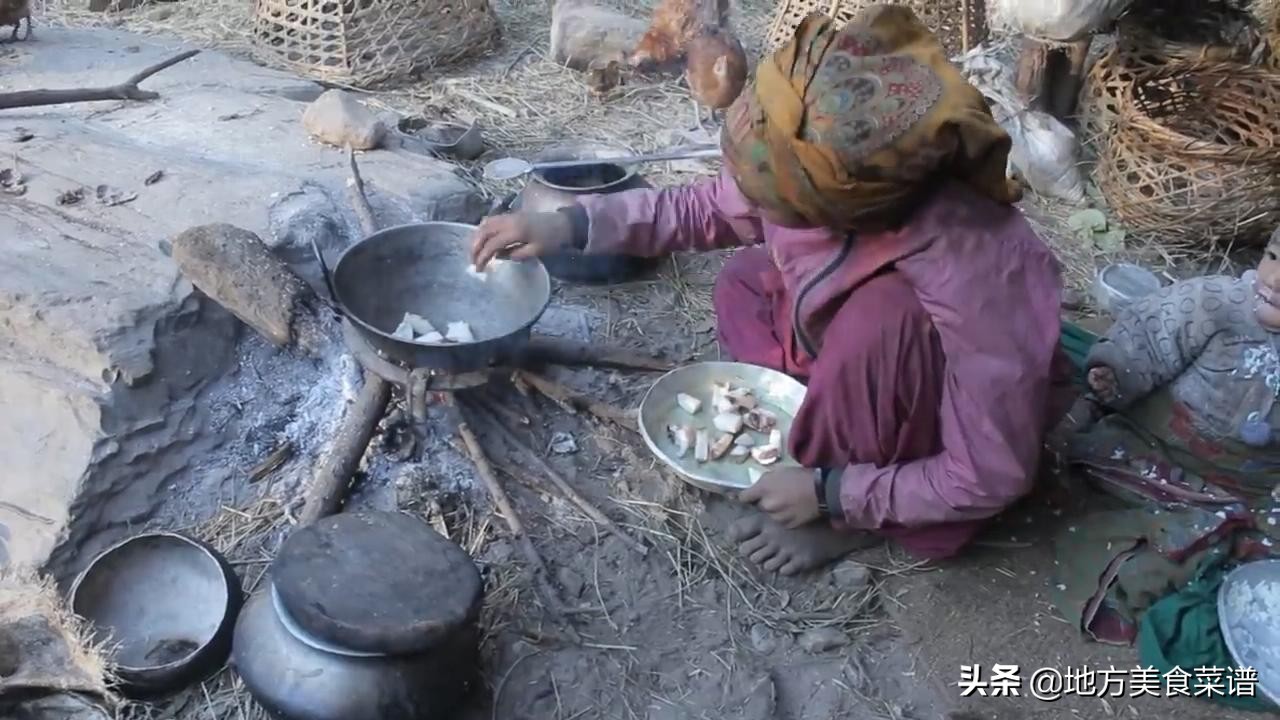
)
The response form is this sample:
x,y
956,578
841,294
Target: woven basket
x,y
368,42
1107,81
959,24
1188,31
1193,157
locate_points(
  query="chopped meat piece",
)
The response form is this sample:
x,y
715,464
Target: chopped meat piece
x,y
459,332
701,447
743,400
761,420
683,437
689,403
720,446
728,423
740,453
766,454
420,325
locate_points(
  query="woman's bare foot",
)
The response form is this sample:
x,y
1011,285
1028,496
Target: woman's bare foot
x,y
777,549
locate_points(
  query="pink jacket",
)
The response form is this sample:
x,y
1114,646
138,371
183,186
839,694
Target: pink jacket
x,y
990,284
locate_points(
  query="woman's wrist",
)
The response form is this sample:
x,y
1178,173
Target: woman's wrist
x,y
827,487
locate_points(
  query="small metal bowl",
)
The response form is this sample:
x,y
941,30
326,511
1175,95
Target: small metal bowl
x,y
463,142
166,605
1119,285
1249,615
777,392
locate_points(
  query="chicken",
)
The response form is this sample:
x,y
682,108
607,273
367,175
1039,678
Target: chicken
x,y
13,12
602,79
674,25
716,70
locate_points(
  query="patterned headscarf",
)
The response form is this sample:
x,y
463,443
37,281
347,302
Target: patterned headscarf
x,y
849,128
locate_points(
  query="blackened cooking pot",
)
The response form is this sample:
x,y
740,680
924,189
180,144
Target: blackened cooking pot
x,y
552,189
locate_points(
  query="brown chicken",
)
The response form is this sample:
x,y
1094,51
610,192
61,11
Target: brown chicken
x,y
13,12
716,70
697,32
674,25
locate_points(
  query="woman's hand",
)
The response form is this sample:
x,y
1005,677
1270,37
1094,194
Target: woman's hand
x,y
1102,381
786,495
520,235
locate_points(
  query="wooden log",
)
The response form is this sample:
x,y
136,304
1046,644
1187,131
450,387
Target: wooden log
x,y
1067,80
1032,72
1049,78
236,270
574,401
537,567
342,457
563,485
127,90
559,351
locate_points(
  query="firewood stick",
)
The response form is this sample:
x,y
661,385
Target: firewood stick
x,y
127,90
541,576
560,351
339,464
342,457
573,401
561,483
360,199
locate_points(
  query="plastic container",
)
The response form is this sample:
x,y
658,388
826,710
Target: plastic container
x,y
1119,285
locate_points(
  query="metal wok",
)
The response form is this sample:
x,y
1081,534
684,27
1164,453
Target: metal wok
x,y
422,269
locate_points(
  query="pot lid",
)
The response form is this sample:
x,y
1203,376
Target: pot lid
x,y
376,582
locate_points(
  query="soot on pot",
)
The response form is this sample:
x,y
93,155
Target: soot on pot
x,y
584,177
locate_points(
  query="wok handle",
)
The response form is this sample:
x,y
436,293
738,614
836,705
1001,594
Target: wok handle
x,y
324,271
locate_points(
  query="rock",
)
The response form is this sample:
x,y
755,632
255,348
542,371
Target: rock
x,y
761,702
126,398
820,640
562,443
337,118
851,577
763,639
585,35
571,582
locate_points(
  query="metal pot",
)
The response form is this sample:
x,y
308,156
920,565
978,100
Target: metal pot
x,y
550,190
294,676
167,604
423,269
462,142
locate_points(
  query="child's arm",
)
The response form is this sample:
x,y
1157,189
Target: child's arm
x,y
1158,338
707,215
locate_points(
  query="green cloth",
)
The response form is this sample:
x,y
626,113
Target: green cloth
x,y
1126,556
1076,342
1181,631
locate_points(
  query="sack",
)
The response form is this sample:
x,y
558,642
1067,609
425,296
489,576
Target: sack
x,y
1044,154
1058,20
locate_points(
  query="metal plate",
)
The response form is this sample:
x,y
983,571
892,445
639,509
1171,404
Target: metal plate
x,y
777,392
1249,615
